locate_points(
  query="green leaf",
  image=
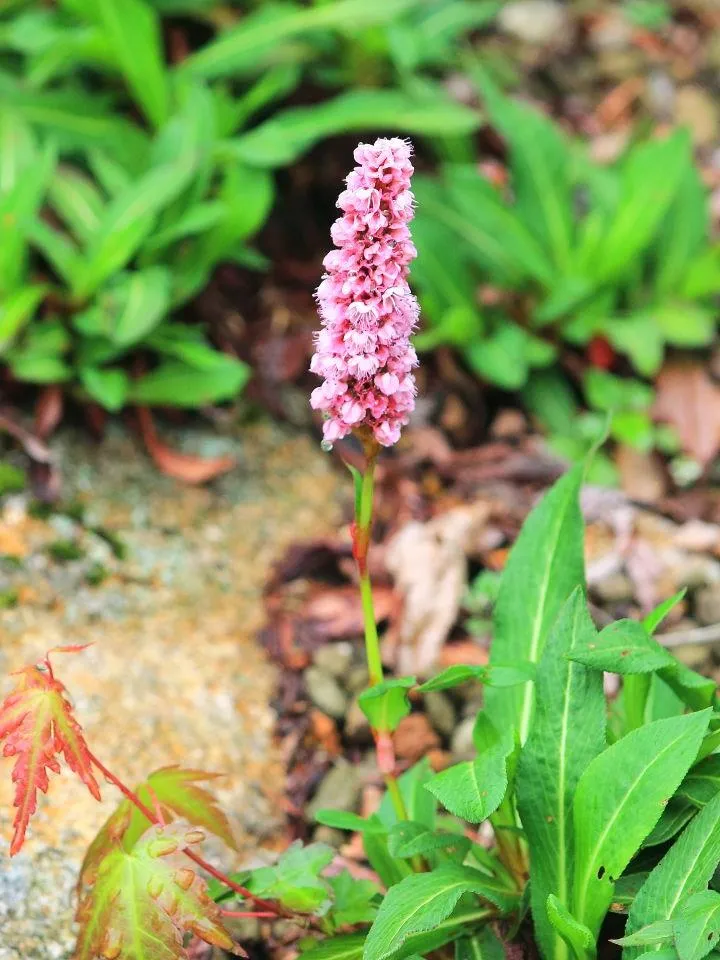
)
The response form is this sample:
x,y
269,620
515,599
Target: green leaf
x,y
419,804
475,789
129,218
623,647
388,868
410,839
420,902
495,676
387,703
108,387
674,817
175,384
347,947
77,121
287,135
502,357
650,180
353,900
342,820
571,933
475,197
133,30
295,879
18,309
544,567
60,252
702,783
697,927
639,337
39,368
567,733
658,932
197,219
142,300
77,201
245,47
684,870
682,231
540,170
638,774
685,324
653,619
484,945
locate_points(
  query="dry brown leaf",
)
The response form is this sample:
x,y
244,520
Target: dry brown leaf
x,y
183,466
429,564
48,411
641,476
689,399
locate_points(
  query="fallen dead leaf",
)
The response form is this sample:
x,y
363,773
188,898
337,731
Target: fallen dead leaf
x,y
183,466
414,737
429,564
48,411
690,400
641,475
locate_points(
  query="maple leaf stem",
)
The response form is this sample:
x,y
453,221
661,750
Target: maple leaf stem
x,y
271,909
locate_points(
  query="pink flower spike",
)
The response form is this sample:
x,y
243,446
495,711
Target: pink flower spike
x,y
367,309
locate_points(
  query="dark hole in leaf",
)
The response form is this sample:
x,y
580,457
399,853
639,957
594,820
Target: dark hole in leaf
x,y
601,873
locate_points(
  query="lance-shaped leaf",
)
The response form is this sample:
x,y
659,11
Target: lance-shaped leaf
x,y
618,801
685,869
568,731
544,567
697,928
495,676
37,726
422,901
176,792
145,901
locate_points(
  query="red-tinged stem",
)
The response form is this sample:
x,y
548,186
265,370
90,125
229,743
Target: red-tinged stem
x,y
130,795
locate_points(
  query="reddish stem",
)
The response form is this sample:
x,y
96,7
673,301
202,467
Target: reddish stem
x,y
265,905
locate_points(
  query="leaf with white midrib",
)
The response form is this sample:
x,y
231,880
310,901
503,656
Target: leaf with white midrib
x,y
419,903
544,567
568,731
686,868
637,773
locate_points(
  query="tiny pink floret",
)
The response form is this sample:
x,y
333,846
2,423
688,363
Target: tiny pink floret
x,y
363,351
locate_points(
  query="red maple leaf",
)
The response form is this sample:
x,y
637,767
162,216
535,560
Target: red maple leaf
x,y
37,727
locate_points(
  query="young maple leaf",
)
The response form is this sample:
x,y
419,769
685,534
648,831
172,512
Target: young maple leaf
x,y
146,900
37,726
175,792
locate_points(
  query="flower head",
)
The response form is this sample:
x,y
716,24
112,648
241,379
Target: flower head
x,y
367,310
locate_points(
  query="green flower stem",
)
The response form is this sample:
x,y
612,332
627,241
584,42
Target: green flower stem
x,y
363,525
363,522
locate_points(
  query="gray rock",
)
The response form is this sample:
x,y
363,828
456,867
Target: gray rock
x,y
335,659
357,679
325,692
615,588
357,726
535,21
339,790
462,740
441,712
707,605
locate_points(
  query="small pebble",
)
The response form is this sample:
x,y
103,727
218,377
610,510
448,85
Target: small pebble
x,y
339,790
440,710
335,658
325,692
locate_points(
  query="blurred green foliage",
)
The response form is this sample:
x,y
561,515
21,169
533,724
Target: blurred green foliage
x,y
128,176
615,260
